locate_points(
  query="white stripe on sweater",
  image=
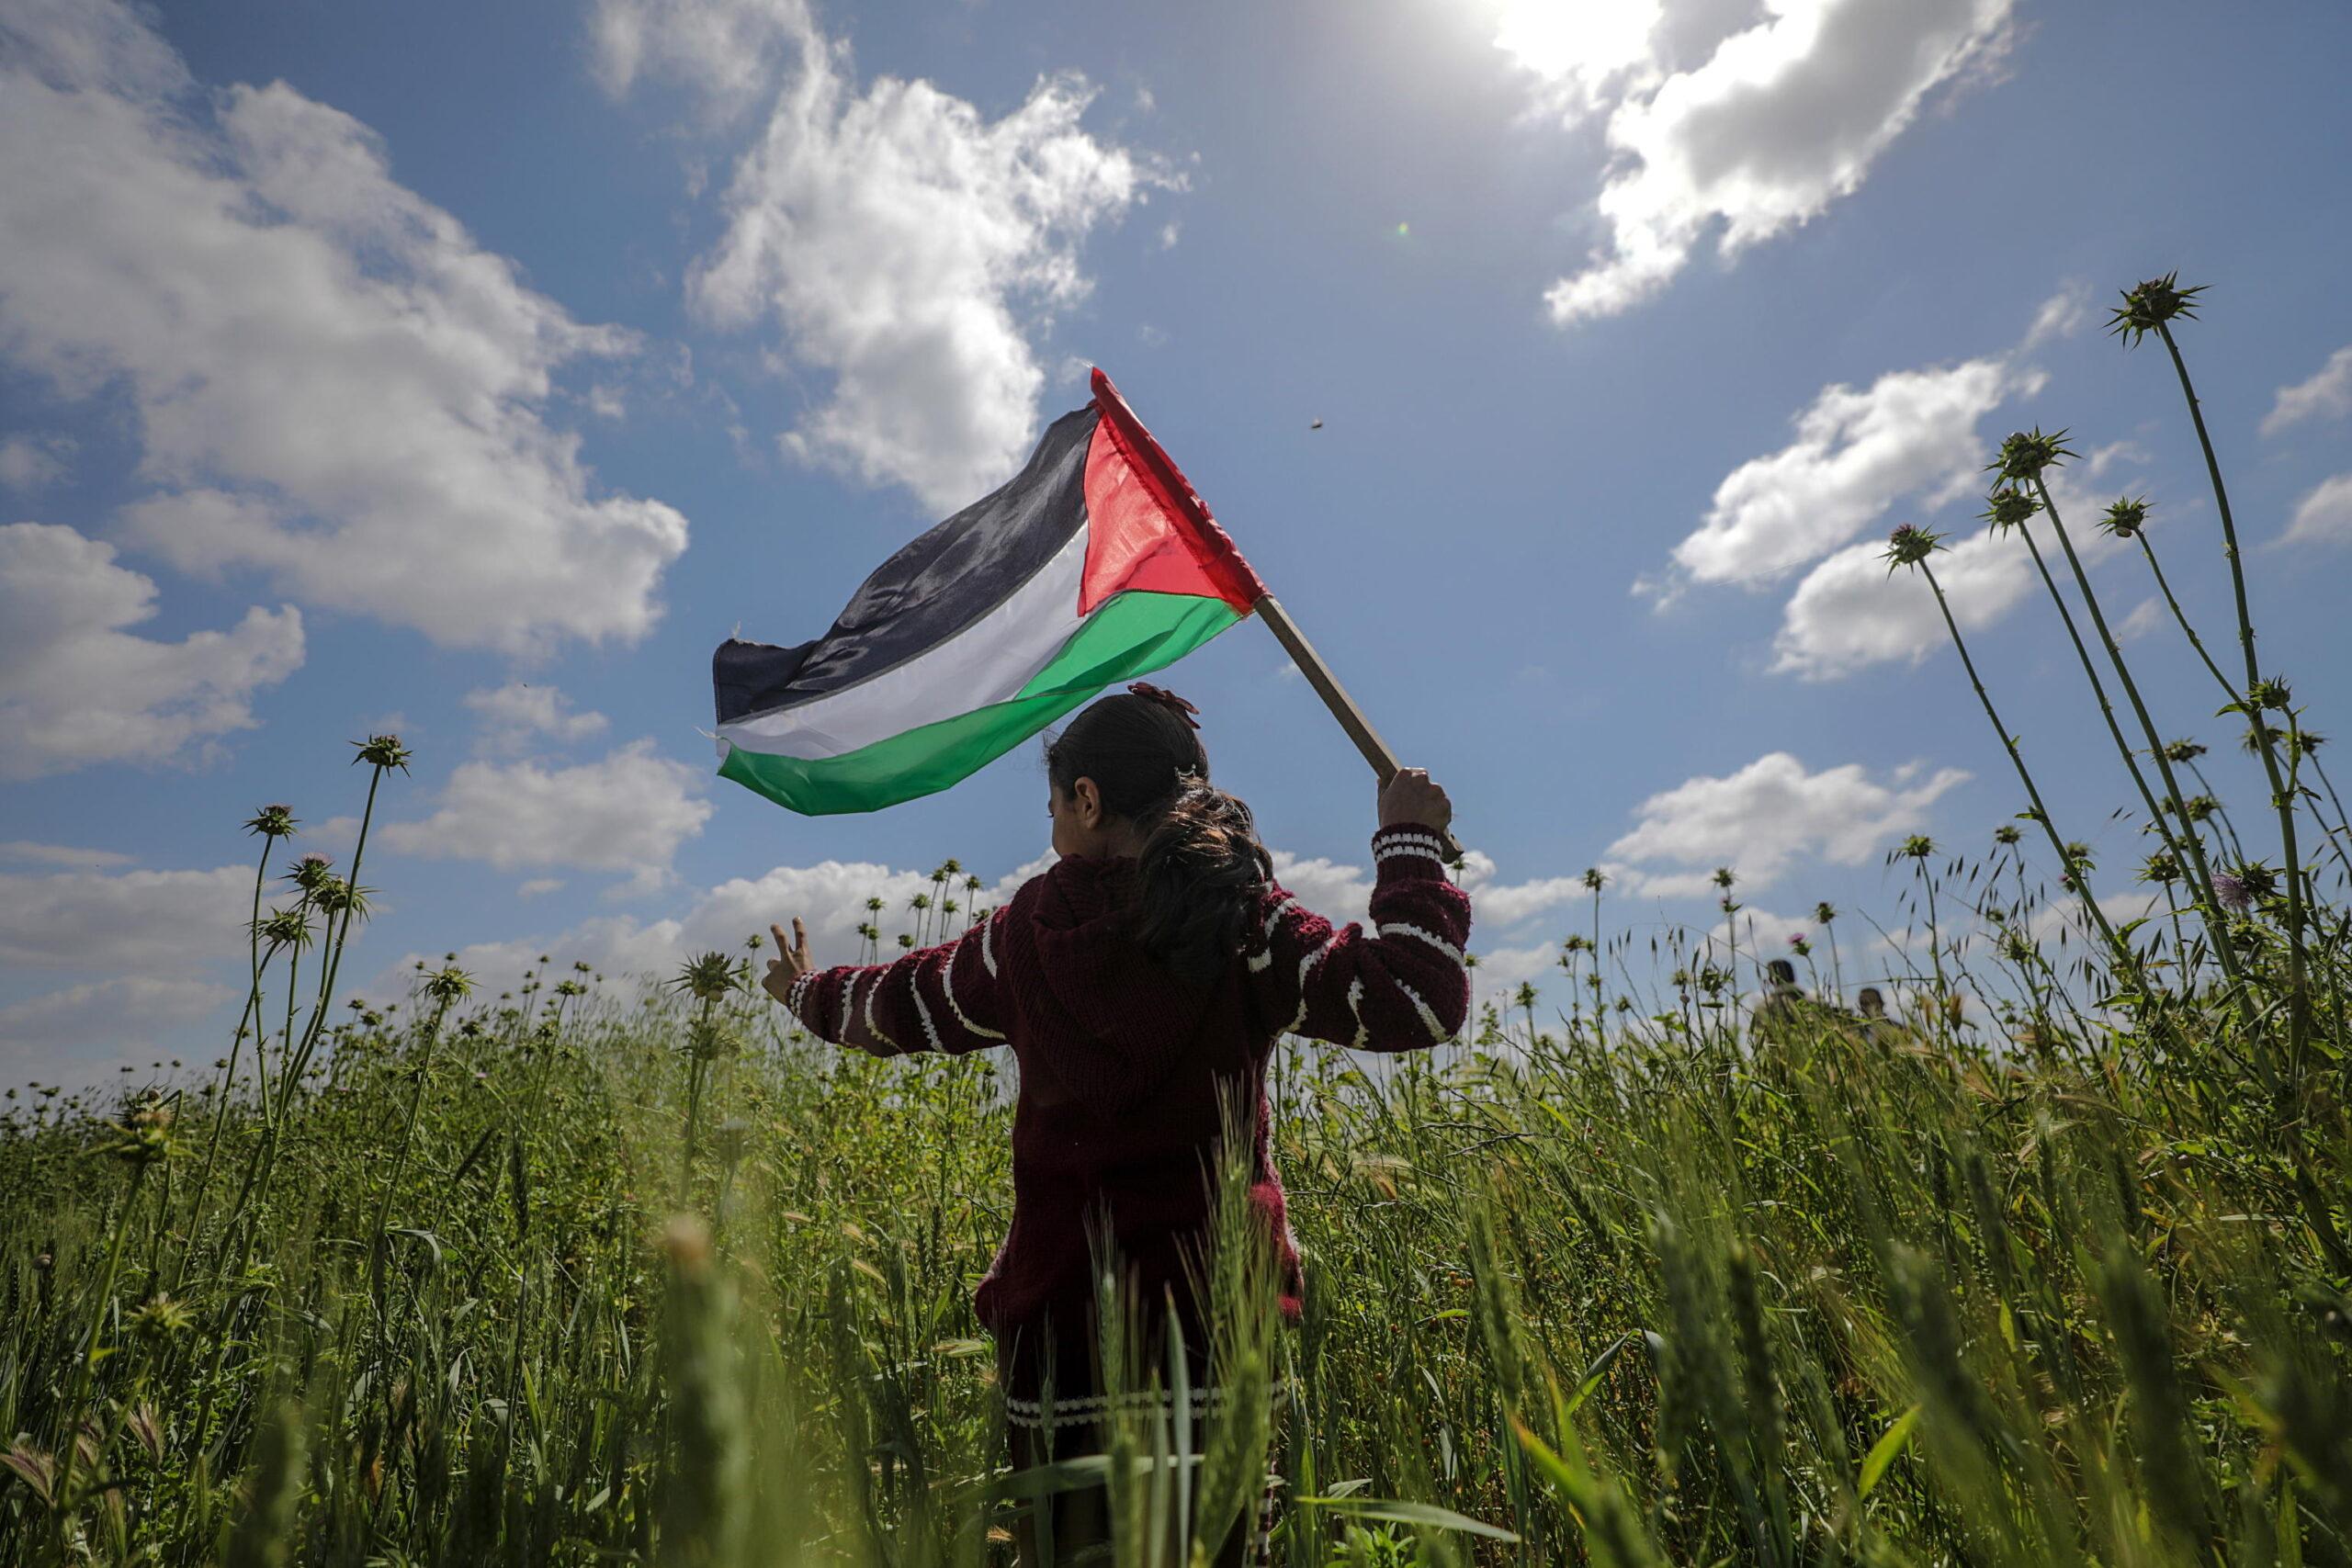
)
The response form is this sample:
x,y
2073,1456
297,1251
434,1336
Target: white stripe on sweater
x,y
988,954
947,989
922,1011
871,1027
1305,964
1439,1033
1355,1010
1401,928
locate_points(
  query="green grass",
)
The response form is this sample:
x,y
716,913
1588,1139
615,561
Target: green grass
x,y
605,1273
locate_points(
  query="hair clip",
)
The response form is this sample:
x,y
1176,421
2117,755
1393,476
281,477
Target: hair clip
x,y
1150,693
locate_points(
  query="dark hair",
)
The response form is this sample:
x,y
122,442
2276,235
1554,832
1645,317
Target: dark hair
x,y
1868,997
1201,859
1783,972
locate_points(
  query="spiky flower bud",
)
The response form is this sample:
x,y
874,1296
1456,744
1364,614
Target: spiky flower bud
x,y
2258,880
1909,544
706,978
1798,944
2125,518
310,870
1918,846
2163,866
1594,878
2150,305
382,751
449,984
2183,752
1824,913
272,822
2027,453
2272,693
146,1136
2007,833
161,1317
2009,506
1724,876
284,928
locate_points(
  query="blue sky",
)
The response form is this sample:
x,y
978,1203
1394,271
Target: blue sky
x,y
473,371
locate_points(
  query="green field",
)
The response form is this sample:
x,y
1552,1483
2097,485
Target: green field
x,y
2051,1270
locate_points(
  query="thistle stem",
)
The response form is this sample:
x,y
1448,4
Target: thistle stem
x,y
70,1413
2116,945
2209,906
2298,1003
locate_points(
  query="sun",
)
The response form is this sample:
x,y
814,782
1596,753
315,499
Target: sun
x,y
1562,40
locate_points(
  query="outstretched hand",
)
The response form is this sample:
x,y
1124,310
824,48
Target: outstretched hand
x,y
790,963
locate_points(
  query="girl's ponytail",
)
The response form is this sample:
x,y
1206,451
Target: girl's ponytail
x,y
1201,862
1201,865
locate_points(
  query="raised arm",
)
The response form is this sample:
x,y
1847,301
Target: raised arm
x,y
938,998
1402,986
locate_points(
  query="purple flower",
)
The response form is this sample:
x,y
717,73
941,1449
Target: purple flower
x,y
2231,889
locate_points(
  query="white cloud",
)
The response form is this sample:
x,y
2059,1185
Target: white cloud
x,y
26,850
1855,453
336,385
34,462
538,886
628,811
142,920
1778,122
730,52
75,688
514,715
1760,819
73,1032
1848,613
908,247
2328,395
2322,516
2145,617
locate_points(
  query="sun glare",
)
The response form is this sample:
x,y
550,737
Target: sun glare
x,y
1562,40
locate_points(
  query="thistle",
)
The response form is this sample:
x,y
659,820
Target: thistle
x,y
2009,507
311,870
2026,454
272,822
381,752
2007,834
2150,305
2183,751
1911,544
2124,519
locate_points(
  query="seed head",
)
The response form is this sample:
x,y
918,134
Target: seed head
x,y
449,984
2258,879
382,751
2125,518
1910,545
2009,506
2027,453
284,928
272,822
707,977
161,1317
2148,307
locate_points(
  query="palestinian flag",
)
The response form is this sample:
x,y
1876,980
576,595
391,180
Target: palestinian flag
x,y
1096,564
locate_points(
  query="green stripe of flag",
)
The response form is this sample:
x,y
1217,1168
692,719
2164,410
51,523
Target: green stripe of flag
x,y
1133,634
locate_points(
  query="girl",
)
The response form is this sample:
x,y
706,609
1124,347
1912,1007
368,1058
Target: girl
x,y
1140,983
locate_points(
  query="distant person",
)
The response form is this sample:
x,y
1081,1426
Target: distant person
x,y
1783,997
1141,983
1876,1025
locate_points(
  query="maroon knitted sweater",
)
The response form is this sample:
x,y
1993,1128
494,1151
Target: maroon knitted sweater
x,y
1122,1064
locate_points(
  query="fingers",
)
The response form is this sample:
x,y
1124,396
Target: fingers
x,y
799,935
777,931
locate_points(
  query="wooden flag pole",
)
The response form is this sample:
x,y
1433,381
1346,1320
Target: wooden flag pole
x,y
1335,696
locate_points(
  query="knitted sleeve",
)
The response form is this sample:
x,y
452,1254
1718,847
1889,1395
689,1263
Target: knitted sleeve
x,y
1400,986
940,998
